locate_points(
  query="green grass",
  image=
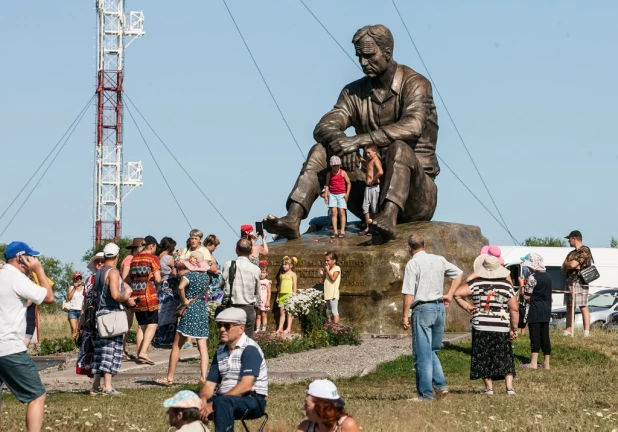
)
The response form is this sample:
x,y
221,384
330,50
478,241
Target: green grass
x,y
579,393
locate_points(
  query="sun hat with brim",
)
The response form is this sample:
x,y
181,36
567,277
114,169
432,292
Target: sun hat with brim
x,y
325,389
232,315
137,242
488,267
95,257
196,262
534,261
183,399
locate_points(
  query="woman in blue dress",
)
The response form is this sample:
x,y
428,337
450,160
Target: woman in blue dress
x,y
193,291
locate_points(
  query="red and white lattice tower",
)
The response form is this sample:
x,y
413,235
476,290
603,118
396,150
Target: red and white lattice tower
x,y
112,184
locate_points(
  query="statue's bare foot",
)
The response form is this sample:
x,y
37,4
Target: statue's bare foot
x,y
384,223
286,227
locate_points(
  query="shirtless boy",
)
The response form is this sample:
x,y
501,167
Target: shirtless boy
x,y
373,167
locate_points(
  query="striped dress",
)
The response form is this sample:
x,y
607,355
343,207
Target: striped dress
x,y
492,351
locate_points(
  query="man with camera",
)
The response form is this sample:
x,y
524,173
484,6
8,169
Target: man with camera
x,y
241,283
17,370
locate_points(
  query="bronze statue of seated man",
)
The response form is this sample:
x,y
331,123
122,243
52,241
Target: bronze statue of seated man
x,y
391,107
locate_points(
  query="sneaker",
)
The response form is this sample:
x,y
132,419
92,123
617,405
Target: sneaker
x,y
257,330
566,333
263,329
586,333
112,392
487,392
510,391
443,391
186,345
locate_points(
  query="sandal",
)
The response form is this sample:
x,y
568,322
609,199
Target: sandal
x,y
95,392
145,361
334,236
128,357
341,235
112,392
165,382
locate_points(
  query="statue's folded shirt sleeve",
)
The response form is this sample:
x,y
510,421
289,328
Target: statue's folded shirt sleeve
x,y
333,124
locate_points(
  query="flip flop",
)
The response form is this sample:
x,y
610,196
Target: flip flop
x,y
333,236
341,235
527,366
165,382
128,357
145,361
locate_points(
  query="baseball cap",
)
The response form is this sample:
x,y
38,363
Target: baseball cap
x,y
325,389
111,250
232,315
150,240
14,249
574,233
183,399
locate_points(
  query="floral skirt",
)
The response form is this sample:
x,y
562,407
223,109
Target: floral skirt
x,y
492,355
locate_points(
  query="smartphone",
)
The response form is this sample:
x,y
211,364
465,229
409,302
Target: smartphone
x,y
259,229
21,259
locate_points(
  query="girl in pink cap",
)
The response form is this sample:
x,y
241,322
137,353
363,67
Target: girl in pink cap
x,y
336,194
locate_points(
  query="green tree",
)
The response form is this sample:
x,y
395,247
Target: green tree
x,y
123,243
545,242
60,273
613,243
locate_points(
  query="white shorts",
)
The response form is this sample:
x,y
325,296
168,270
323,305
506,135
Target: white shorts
x,y
333,306
371,199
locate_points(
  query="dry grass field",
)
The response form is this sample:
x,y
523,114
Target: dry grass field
x,y
579,393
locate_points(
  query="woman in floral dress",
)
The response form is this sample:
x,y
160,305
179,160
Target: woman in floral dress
x,y
193,291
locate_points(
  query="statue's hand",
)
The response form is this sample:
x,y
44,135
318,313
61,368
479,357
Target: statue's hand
x,y
349,162
345,145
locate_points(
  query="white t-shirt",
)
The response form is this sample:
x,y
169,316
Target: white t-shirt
x,y
15,291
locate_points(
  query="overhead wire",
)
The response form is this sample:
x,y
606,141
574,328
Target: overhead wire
x,y
48,156
453,122
179,164
74,126
264,80
158,167
503,223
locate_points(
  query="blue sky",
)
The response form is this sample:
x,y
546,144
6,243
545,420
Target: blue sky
x,y
531,87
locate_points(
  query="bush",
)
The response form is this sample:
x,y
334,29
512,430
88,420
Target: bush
x,y
55,346
271,344
341,334
319,338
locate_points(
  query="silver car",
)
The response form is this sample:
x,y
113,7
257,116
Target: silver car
x,y
612,322
600,307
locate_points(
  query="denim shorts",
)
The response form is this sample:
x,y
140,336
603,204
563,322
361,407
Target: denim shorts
x,y
337,200
75,314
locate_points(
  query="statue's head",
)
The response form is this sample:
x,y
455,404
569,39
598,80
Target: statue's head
x,y
374,48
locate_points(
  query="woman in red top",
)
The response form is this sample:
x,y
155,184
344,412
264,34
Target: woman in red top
x,y
145,280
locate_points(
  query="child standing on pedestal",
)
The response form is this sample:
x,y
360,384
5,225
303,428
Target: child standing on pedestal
x,y
337,192
373,167
331,277
286,287
262,306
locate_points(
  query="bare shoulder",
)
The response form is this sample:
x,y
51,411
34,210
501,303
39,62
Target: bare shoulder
x,y
350,425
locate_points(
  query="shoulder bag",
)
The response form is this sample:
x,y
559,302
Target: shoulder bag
x,y
181,310
66,306
226,302
589,274
114,323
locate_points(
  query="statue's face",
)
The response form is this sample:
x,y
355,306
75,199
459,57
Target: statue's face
x,y
371,58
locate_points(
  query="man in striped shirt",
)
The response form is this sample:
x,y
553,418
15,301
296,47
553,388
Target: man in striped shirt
x,y
423,291
239,369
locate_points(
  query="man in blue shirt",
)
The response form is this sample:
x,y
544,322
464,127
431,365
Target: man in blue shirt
x,y
239,368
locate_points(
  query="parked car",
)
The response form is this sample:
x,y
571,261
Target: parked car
x,y
600,306
612,322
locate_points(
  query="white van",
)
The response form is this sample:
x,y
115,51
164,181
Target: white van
x,y
605,260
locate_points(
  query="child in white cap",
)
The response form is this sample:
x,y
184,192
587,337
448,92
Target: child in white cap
x,y
324,409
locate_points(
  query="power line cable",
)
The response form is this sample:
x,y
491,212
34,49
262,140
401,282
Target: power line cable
x,y
48,156
453,122
83,112
264,79
331,36
158,167
180,165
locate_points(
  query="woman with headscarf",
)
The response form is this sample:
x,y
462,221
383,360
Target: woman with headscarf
x,y
538,309
494,313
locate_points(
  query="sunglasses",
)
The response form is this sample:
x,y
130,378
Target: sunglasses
x,y
226,326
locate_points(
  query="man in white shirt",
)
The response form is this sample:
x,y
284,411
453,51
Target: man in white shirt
x,y
17,370
423,291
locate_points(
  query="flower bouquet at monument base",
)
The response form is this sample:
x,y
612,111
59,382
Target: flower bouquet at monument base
x,y
307,306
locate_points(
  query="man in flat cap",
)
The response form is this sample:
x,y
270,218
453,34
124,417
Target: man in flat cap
x,y
239,368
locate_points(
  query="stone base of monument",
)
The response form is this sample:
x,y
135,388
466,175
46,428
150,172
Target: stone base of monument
x,y
372,275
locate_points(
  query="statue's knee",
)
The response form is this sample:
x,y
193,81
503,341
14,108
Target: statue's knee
x,y
316,159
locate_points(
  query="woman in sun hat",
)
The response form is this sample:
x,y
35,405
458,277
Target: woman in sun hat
x,y
183,410
538,309
325,410
494,312
193,291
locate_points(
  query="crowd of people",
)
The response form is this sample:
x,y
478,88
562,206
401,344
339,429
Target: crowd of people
x,y
167,291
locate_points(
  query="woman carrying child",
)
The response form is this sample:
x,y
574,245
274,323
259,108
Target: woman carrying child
x,y
286,287
262,306
331,278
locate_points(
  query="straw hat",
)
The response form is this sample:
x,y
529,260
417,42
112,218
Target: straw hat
x,y
488,267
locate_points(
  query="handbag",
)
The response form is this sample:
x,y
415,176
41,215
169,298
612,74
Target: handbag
x,y
226,301
66,306
181,310
589,274
114,323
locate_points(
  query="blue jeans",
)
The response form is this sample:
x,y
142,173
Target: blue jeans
x,y
228,408
427,331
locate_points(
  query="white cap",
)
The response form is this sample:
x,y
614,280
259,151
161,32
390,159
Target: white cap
x,y
324,389
111,250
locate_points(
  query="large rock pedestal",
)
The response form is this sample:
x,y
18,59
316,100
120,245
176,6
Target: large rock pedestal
x,y
372,275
